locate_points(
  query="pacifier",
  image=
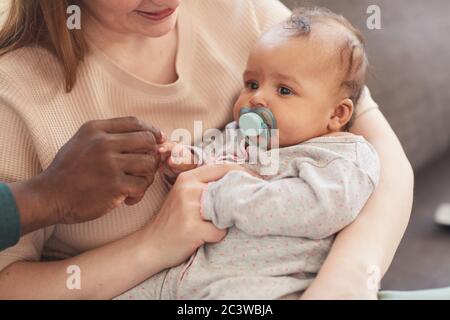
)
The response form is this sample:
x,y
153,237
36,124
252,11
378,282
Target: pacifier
x,y
254,122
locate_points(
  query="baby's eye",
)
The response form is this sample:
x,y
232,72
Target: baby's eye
x,y
285,91
252,85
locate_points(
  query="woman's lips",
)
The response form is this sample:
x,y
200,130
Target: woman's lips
x,y
156,16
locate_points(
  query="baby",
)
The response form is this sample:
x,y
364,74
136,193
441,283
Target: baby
x,y
302,82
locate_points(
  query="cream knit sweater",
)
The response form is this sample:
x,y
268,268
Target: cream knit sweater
x,y
37,117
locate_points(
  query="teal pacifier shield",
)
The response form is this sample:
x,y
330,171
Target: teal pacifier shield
x,y
251,124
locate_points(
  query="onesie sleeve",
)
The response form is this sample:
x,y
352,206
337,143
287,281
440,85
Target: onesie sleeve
x,y
317,203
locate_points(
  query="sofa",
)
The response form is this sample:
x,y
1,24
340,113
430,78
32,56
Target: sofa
x,y
409,78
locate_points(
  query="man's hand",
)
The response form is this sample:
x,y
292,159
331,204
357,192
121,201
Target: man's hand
x,y
105,164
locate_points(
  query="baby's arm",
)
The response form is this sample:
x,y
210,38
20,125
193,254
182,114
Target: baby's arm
x,y
316,204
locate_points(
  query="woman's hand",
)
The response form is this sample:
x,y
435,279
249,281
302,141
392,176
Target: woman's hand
x,y
104,164
178,229
168,240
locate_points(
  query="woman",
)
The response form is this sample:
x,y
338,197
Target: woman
x,y
168,63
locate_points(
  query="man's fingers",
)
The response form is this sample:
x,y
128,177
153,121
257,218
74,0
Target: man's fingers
x,y
134,187
132,201
120,125
127,125
166,147
163,137
139,165
142,141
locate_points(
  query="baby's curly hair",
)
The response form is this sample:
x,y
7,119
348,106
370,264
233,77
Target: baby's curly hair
x,y
354,61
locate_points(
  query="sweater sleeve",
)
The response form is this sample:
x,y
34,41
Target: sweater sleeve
x,y
270,13
365,103
316,204
18,161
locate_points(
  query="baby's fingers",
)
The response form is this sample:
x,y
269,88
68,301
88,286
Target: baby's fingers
x,y
166,147
181,164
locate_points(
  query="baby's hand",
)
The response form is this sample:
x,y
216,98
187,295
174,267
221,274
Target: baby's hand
x,y
175,159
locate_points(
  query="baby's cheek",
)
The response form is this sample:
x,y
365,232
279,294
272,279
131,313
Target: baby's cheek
x,y
236,108
283,137
290,134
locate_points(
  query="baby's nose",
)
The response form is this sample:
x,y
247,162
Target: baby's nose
x,y
258,101
258,105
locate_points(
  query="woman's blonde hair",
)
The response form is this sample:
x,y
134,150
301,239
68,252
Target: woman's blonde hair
x,y
43,23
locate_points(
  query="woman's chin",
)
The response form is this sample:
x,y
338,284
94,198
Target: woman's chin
x,y
157,30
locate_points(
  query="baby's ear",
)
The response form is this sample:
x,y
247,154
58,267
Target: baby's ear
x,y
341,115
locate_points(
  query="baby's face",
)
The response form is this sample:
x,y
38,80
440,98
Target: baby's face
x,y
297,78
